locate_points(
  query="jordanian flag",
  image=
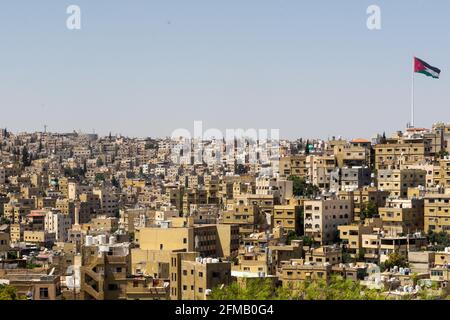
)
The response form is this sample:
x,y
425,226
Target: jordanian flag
x,y
421,66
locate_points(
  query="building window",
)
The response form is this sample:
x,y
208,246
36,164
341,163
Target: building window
x,y
43,293
113,287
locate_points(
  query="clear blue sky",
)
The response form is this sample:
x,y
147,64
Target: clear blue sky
x,y
145,67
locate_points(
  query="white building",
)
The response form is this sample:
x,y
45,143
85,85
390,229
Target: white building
x,y
59,224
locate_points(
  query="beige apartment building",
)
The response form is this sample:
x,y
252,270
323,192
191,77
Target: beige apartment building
x,y
207,240
154,263
437,212
320,168
430,172
247,217
294,165
362,197
397,182
355,153
104,272
352,235
34,285
377,246
294,272
108,201
441,173
145,288
193,278
287,217
324,254
401,216
42,238
395,153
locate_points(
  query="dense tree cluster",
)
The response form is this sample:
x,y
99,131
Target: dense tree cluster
x,y
302,188
337,288
8,293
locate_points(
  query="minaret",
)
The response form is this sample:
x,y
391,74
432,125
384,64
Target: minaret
x,y
76,225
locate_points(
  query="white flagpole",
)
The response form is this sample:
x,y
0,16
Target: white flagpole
x,y
412,93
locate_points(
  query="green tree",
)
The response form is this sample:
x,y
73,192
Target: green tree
x,y
442,154
99,177
370,210
336,288
302,188
383,139
395,260
438,240
258,289
4,220
8,293
115,182
361,254
292,236
307,241
25,157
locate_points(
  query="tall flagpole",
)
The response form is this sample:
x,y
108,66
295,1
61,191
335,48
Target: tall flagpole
x,y
412,93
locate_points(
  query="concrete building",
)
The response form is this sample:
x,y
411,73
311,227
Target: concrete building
x,y
350,179
352,235
207,240
287,217
59,224
401,216
194,278
437,213
42,238
398,181
322,218
294,165
104,270
363,197
33,285
395,153
319,169
355,153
